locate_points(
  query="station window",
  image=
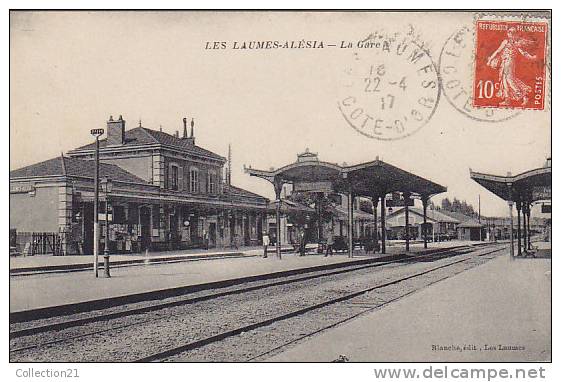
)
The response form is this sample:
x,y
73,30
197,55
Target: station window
x,y
174,177
211,182
194,180
119,215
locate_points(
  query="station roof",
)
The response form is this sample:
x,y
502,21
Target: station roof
x,y
141,136
433,215
290,206
342,213
375,178
470,224
529,186
65,166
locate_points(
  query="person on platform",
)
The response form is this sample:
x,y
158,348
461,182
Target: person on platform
x,y
302,242
205,239
329,243
235,241
265,244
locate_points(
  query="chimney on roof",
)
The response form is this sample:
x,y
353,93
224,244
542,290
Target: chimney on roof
x,y
190,139
115,131
177,133
184,128
192,128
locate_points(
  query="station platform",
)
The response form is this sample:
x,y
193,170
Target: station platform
x,y
40,263
46,290
542,249
45,263
497,312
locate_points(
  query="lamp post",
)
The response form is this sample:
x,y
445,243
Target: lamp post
x,y
96,133
106,186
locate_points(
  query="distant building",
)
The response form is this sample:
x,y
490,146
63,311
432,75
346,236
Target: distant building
x,y
469,228
440,225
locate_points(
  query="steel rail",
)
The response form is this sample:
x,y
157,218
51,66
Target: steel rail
x,y
158,306
230,333
436,255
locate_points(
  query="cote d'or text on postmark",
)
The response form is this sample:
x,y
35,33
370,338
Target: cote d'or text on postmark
x,y
391,88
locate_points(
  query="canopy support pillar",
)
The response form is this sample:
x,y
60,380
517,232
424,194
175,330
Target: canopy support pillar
x,y
424,230
529,226
518,233
319,201
278,188
350,222
383,222
524,214
510,205
511,229
375,211
406,196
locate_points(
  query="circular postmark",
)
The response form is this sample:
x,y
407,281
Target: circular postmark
x,y
391,89
456,65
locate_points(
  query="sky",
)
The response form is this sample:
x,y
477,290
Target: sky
x,y
69,71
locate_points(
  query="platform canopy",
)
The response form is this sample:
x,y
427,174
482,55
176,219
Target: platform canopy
x,y
371,179
529,186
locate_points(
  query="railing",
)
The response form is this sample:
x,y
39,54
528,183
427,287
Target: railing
x,y
39,243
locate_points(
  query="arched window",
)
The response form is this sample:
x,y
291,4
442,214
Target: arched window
x,y
194,180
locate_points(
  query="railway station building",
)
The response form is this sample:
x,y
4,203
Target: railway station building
x,y
166,193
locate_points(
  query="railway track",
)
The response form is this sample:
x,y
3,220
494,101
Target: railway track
x,y
149,305
131,311
162,355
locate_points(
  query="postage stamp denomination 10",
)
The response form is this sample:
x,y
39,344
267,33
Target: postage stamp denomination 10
x,y
510,64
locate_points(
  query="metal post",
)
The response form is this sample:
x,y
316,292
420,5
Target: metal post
x,y
524,226
529,225
375,210
425,202
278,188
511,230
518,230
406,200
350,222
319,227
479,209
96,202
106,249
383,221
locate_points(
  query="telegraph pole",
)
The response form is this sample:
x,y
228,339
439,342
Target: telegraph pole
x,y
479,209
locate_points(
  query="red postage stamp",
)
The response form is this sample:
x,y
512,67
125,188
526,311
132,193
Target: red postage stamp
x,y
510,64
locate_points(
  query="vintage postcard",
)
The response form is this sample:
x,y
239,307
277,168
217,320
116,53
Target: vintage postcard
x,y
280,186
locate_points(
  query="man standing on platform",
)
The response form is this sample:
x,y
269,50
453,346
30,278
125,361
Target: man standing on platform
x,y
265,244
302,242
329,243
205,239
